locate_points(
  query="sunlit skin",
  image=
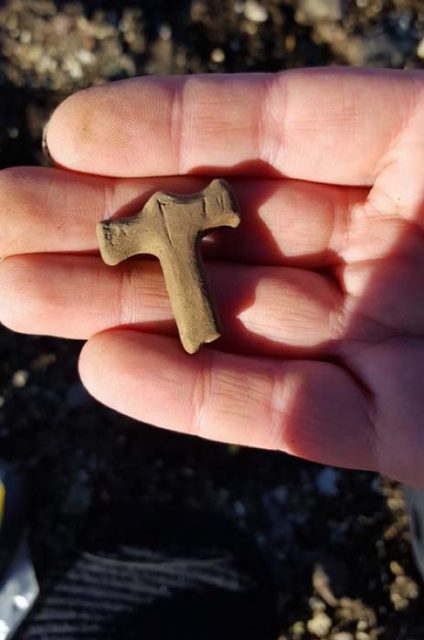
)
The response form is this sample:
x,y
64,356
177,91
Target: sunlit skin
x,y
321,288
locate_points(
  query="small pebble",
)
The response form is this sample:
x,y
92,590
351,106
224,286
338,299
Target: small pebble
x,y
420,49
165,32
319,625
218,56
316,10
396,569
86,57
327,481
343,635
240,509
251,28
20,378
13,132
316,605
280,494
290,43
25,37
21,603
43,361
255,12
73,67
298,628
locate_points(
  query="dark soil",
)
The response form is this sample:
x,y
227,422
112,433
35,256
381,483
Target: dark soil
x,y
338,540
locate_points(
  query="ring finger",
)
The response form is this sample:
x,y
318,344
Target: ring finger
x,y
266,310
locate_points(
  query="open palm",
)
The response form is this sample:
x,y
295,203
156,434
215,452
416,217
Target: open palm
x,y
321,289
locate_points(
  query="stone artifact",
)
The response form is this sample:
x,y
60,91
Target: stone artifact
x,y
171,227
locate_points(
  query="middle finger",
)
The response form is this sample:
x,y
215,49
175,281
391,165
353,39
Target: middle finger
x,y
284,222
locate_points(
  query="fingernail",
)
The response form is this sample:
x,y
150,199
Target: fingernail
x,y
44,146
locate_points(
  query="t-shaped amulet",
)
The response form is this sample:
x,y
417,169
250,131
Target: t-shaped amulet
x,y
171,227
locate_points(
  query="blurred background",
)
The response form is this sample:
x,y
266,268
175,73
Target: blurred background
x,y
338,541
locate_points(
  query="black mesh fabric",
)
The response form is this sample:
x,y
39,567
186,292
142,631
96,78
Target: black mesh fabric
x,y
193,578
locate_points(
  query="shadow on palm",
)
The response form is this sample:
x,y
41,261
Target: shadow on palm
x,y
376,317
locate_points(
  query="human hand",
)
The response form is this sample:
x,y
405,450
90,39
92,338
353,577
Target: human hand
x,y
320,289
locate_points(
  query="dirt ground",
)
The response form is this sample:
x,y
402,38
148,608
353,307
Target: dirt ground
x,y
338,541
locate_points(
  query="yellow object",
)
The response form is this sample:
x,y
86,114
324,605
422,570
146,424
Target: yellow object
x,y
2,501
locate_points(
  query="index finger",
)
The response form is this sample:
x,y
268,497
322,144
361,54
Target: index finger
x,y
326,125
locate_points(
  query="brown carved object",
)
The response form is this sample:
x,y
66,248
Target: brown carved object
x,y
171,227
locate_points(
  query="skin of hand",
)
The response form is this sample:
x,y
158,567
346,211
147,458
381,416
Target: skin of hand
x,y
321,288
